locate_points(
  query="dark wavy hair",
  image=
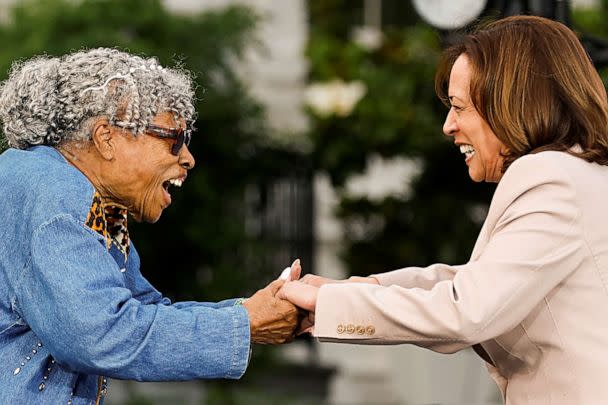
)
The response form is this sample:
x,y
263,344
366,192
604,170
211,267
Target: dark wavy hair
x,y
536,87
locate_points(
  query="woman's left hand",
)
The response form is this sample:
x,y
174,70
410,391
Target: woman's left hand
x,y
272,320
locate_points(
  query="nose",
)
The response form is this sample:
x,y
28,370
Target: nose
x,y
186,160
450,126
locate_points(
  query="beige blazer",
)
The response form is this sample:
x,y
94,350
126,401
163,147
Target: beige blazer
x,y
533,298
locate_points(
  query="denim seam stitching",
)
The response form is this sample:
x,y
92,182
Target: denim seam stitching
x,y
9,326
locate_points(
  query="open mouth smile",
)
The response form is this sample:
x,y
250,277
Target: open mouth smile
x,y
176,182
468,151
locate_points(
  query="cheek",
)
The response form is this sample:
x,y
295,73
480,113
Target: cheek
x,y
152,187
487,142
145,185
492,158
495,146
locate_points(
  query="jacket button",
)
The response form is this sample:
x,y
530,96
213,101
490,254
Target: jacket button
x,y
370,330
340,329
350,328
360,330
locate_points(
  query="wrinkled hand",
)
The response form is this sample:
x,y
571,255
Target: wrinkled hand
x,y
272,320
307,323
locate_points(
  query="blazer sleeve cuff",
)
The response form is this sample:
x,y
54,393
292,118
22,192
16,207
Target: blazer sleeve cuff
x,y
337,317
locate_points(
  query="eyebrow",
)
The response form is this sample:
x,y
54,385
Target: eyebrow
x,y
455,97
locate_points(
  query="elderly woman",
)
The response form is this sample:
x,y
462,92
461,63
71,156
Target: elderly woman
x,y
528,111
96,136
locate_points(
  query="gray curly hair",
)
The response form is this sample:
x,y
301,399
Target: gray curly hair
x,y
51,100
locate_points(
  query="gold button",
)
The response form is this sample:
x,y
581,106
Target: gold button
x,y
360,330
350,328
340,329
370,330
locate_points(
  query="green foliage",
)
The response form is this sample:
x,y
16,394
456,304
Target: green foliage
x,y
590,22
400,97
399,116
195,250
337,17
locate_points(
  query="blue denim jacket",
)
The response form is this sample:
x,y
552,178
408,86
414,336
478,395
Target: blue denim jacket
x,y
73,313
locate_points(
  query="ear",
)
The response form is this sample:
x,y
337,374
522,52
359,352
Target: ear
x,y
104,138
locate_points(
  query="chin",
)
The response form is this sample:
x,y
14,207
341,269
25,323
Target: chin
x,y
151,219
475,177
155,216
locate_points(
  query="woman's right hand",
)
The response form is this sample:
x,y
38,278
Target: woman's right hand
x,y
365,280
300,294
318,281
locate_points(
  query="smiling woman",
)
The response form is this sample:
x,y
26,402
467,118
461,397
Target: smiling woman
x,y
135,171
476,140
529,111
95,137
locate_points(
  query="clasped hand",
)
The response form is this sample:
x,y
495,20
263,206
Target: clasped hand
x,y
286,307
303,293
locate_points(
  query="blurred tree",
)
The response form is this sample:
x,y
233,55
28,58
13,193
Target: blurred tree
x,y
398,116
590,24
198,248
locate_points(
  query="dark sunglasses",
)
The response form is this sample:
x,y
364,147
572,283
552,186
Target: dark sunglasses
x,y
180,135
